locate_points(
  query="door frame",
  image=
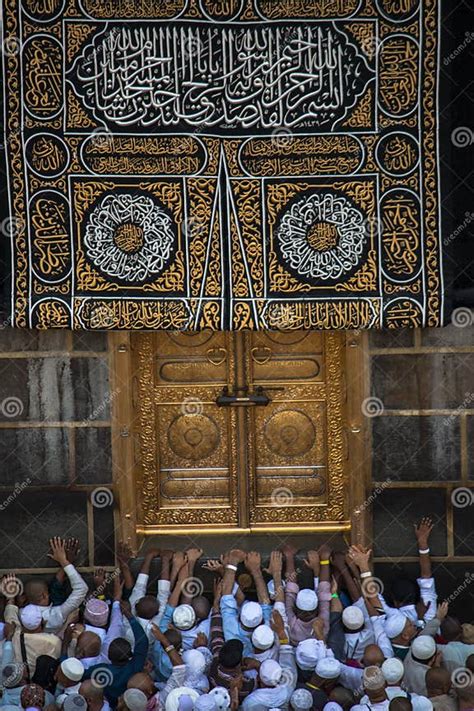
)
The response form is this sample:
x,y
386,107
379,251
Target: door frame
x,y
124,390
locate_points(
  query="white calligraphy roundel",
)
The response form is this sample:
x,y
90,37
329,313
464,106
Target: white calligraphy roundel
x,y
322,235
129,236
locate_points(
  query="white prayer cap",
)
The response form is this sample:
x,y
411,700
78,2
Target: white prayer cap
x,y
395,624
309,652
328,668
270,672
263,637
271,587
31,616
301,700
221,698
76,702
333,706
73,669
373,678
172,700
423,647
421,703
135,699
393,670
184,617
251,614
306,600
207,654
353,617
205,702
194,660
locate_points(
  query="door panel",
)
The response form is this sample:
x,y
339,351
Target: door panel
x,y
297,470
248,466
188,467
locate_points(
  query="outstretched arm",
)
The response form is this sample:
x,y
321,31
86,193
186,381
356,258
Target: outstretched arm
x,y
253,563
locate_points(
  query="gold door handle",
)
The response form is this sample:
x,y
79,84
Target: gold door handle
x,y
262,359
213,356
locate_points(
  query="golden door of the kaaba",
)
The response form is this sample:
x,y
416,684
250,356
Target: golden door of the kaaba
x,y
238,431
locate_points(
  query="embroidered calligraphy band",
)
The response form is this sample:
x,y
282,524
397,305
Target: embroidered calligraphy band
x,y
191,164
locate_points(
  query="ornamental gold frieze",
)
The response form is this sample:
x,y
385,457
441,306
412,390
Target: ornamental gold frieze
x,y
195,184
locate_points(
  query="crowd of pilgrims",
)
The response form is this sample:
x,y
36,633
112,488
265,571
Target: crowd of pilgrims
x,y
262,640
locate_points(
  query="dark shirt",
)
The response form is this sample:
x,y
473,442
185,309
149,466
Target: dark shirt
x,y
120,674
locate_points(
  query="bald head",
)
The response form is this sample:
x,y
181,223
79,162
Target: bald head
x,y
93,694
373,656
144,682
451,629
36,592
438,681
400,703
343,697
88,645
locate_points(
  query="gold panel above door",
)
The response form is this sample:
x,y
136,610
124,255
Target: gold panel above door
x,y
210,456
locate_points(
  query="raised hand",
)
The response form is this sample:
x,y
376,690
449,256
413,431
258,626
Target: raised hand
x,y
277,624
117,588
215,566
253,561
422,531
58,551
360,555
201,640
318,628
124,552
442,611
99,577
73,548
275,566
312,561
193,554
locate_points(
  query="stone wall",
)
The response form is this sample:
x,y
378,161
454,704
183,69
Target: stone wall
x,y
55,446
422,383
